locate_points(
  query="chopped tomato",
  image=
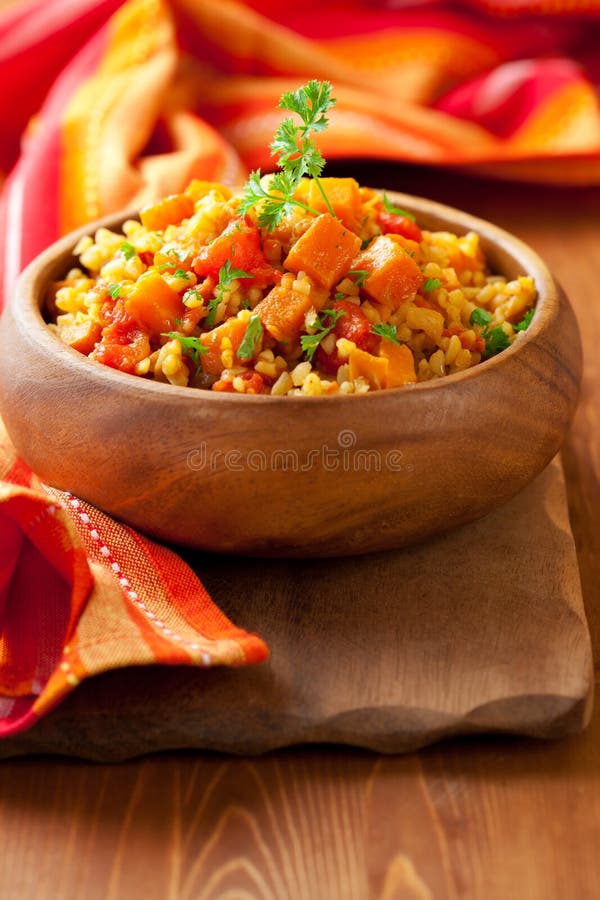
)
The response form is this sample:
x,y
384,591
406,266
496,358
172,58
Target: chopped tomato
x,y
354,326
240,244
123,343
390,223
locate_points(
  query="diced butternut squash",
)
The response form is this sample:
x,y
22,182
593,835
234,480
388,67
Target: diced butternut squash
x,y
283,310
324,251
234,329
82,336
411,247
428,320
197,189
153,304
168,211
394,276
401,364
344,197
372,368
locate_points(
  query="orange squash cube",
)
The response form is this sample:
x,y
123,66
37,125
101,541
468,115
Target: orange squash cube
x,y
325,251
153,304
401,364
394,276
373,368
344,197
168,211
234,329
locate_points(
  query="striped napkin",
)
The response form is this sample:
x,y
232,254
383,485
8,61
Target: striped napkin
x,y
111,104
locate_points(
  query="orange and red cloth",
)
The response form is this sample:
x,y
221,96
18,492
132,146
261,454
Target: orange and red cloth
x,y
108,104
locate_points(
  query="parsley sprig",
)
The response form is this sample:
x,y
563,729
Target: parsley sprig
x,y
525,322
395,210
297,156
227,275
310,342
386,331
191,346
252,339
496,338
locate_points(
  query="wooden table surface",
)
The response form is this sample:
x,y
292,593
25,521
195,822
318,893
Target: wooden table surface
x,y
484,818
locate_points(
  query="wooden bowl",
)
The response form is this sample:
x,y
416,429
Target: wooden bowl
x,y
293,476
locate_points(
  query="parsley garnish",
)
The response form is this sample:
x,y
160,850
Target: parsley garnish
x,y
297,156
252,339
395,210
213,303
480,316
181,273
525,321
191,346
361,276
227,275
190,295
310,342
431,284
386,331
128,250
114,290
495,338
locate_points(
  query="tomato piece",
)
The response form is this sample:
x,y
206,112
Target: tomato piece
x,y
240,244
123,343
390,223
354,326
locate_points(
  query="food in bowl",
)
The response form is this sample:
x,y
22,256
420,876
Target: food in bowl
x,y
296,284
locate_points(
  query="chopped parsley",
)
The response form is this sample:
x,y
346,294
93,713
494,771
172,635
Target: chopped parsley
x,y
114,290
480,317
227,275
128,250
192,294
432,284
181,273
310,342
386,331
525,322
191,346
360,276
395,210
297,156
252,339
495,338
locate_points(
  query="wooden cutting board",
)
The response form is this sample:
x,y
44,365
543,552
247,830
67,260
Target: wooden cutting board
x,y
482,629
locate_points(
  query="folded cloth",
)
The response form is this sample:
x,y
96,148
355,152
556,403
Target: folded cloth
x,y
112,104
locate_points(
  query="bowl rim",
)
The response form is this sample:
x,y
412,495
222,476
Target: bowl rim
x,y
34,278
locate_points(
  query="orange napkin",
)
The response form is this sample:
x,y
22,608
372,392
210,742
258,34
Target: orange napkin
x,y
112,104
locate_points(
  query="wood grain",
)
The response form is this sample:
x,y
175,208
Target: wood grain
x,y
477,819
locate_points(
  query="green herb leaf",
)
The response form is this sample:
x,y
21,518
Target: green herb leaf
x,y
525,322
395,210
228,274
209,320
310,342
252,339
114,290
181,273
128,250
495,341
296,154
386,331
432,284
190,295
190,346
480,317
245,304
359,275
